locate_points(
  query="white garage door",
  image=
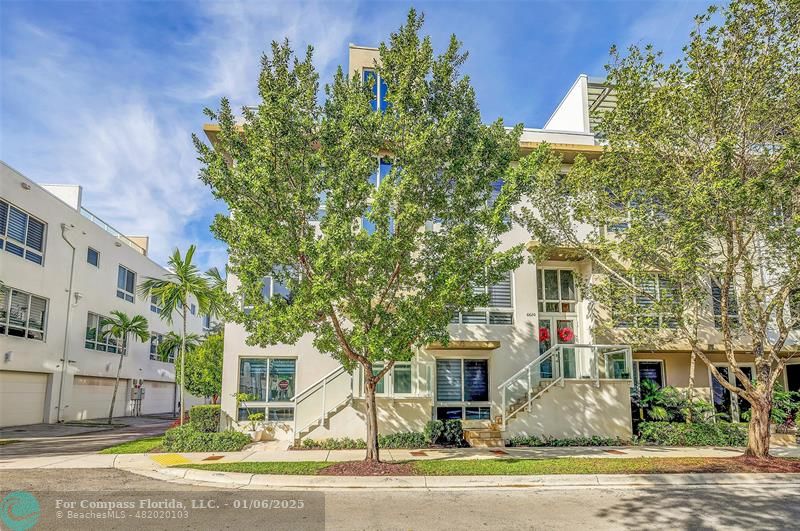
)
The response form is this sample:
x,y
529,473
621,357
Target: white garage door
x,y
91,398
158,397
22,396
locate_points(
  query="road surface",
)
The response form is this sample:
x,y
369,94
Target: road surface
x,y
717,507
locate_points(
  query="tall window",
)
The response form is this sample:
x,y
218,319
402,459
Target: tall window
x,y
126,284
22,234
155,304
22,314
500,308
271,384
155,341
462,389
206,322
716,304
379,89
193,309
648,370
653,306
97,336
556,291
93,257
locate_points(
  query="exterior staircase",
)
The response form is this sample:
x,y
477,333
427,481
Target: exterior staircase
x,y
482,434
315,405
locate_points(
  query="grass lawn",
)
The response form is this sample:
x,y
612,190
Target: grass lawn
x,y
4,442
525,467
136,446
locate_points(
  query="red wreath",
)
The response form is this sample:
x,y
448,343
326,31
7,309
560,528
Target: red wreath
x,y
566,334
544,334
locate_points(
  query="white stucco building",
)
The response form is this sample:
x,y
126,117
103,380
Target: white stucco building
x,y
62,270
528,364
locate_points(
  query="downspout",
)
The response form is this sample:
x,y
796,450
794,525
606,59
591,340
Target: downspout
x,y
65,359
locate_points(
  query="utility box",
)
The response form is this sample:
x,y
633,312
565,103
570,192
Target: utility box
x,y
137,393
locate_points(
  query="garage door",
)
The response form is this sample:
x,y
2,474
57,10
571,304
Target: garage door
x,y
91,398
22,396
158,397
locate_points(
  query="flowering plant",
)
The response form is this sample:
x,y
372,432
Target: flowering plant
x,y
544,334
566,334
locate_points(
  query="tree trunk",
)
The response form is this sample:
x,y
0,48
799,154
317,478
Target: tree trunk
x,y
372,421
116,383
758,429
183,364
690,390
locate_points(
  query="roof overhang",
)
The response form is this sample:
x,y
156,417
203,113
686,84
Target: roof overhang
x,y
465,345
559,253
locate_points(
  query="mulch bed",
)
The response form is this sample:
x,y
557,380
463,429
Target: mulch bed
x,y
751,464
367,468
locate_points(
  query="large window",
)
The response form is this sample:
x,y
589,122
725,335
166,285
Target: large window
x,y
155,341
716,304
22,234
655,305
379,89
728,405
97,336
126,284
396,382
22,314
500,309
556,291
268,381
462,389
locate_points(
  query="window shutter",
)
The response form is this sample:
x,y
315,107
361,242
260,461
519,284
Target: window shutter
x,y
37,313
17,221
3,217
500,293
476,381
19,308
448,380
35,237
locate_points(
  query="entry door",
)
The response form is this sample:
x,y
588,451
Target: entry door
x,y
793,378
724,403
557,331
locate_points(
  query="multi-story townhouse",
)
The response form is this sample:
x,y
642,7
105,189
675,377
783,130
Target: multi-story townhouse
x,y
63,270
528,363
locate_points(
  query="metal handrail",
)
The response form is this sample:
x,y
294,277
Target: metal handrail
x,y
308,390
111,230
320,384
547,354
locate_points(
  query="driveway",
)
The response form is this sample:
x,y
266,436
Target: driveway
x,y
66,439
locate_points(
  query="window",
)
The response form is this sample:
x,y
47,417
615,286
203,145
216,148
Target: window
x,y
716,303
268,380
275,288
21,234
461,386
379,89
155,341
193,309
155,304
22,314
648,370
499,311
206,322
97,336
399,379
556,291
727,405
655,305
93,257
126,284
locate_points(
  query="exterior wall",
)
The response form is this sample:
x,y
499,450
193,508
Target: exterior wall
x,y
572,114
94,290
578,409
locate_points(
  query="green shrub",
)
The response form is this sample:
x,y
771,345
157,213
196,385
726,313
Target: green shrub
x,y
403,440
205,418
681,434
453,432
187,438
433,431
594,440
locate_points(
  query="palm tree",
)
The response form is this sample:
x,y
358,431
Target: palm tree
x,y
173,292
171,344
121,326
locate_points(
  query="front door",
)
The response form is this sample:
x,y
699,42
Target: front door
x,y
558,318
555,331
724,403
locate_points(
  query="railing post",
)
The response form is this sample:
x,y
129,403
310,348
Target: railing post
x,y
504,408
324,389
596,371
561,364
530,391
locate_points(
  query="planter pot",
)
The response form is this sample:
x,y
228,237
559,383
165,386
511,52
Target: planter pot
x,y
255,435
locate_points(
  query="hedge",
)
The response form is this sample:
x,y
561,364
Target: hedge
x,y
533,440
393,440
205,418
188,438
701,434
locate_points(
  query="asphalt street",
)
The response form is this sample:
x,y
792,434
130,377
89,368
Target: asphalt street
x,y
671,507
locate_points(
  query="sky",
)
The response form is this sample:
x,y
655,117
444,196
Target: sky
x,y
107,94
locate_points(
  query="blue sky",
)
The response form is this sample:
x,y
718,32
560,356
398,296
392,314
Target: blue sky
x,y
107,94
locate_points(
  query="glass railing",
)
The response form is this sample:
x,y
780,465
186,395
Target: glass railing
x,y
111,230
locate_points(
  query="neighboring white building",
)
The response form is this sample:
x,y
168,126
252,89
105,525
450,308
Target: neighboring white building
x,y
528,364
63,269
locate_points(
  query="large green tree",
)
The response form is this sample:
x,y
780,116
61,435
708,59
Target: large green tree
x,y
203,362
123,327
699,184
376,272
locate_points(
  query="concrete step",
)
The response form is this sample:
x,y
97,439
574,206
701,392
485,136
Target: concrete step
x,y
487,443
476,424
482,434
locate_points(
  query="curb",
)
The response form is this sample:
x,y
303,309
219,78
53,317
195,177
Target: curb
x,y
239,480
